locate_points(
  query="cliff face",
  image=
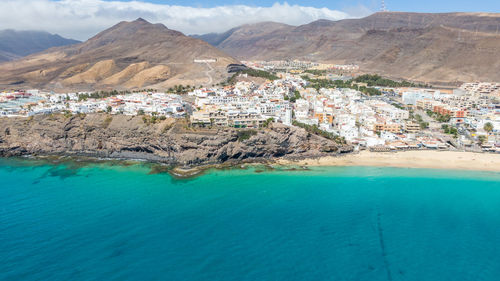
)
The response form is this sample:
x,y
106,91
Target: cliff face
x,y
169,141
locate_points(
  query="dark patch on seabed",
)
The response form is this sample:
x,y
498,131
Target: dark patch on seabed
x,y
156,169
62,172
60,166
380,231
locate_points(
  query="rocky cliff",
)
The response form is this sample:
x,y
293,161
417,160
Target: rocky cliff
x,y
168,141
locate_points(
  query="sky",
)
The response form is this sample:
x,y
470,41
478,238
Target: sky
x,y
431,6
82,19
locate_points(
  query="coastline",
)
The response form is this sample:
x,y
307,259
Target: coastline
x,y
427,159
420,159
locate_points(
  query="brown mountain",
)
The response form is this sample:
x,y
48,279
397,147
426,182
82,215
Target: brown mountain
x,y
424,47
247,32
129,55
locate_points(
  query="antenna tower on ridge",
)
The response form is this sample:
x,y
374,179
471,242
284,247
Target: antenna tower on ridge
x,y
383,7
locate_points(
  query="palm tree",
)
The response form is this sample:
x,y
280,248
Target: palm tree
x,y
358,125
488,127
481,139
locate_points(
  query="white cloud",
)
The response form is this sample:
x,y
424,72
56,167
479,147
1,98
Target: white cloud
x,y
81,19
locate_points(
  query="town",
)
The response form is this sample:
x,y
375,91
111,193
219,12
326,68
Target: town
x,y
366,111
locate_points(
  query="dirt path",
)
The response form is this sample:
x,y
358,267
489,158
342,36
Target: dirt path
x,y
210,79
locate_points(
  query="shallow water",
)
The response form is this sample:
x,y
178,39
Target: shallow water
x,y
112,222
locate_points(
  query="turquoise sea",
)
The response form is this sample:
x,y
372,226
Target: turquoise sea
x,y
111,222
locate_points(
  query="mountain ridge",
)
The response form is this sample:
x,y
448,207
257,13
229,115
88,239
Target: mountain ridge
x,y
162,58
373,42
16,44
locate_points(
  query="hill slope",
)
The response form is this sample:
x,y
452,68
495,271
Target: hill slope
x,y
243,33
16,44
426,47
126,56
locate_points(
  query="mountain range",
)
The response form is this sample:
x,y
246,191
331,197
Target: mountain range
x,y
432,48
16,44
129,55
443,49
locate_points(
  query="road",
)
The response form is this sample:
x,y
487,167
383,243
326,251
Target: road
x,y
210,79
424,116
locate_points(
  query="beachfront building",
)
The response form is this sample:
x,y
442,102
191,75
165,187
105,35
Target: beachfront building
x,y
243,105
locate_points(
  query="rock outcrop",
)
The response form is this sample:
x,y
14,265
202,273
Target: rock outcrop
x,y
169,141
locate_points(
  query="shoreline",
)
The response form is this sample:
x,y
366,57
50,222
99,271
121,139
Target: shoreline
x,y
422,159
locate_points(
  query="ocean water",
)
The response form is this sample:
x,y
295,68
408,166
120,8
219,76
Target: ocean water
x,y
111,222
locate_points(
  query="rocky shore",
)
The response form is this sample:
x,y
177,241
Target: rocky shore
x,y
169,141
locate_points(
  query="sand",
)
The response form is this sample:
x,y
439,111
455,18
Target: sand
x,y
410,159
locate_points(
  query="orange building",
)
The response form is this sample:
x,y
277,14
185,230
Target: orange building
x,y
452,112
324,117
387,127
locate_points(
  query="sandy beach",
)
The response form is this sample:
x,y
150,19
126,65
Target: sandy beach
x,y
410,159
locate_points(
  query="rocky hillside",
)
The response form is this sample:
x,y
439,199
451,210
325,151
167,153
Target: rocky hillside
x,y
424,47
241,35
128,55
16,44
122,136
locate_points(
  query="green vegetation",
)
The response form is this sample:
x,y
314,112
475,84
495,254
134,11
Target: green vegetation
x,y
449,130
481,139
140,112
377,80
181,89
253,73
267,122
260,73
421,122
316,72
101,95
370,91
296,96
143,90
326,83
397,105
246,134
488,127
313,129
370,80
153,119
231,80
329,84
67,114
439,117
107,94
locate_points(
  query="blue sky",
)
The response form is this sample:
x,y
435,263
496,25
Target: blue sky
x,y
394,5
